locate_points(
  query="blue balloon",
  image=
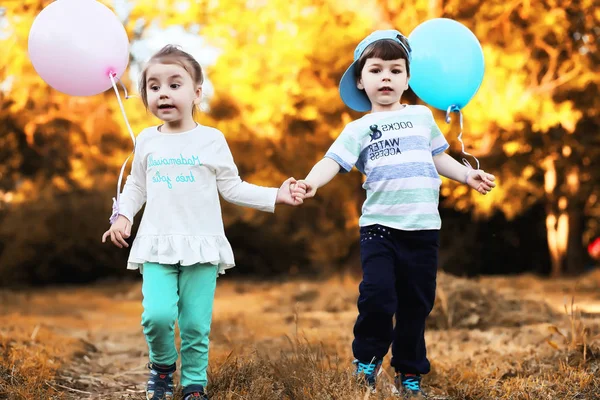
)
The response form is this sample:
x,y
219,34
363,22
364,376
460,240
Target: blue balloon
x,y
447,63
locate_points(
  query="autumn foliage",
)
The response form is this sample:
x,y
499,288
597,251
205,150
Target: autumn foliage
x,y
534,123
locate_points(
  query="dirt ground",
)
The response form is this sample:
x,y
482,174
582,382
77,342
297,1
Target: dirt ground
x,y
490,338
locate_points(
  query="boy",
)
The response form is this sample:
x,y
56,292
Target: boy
x,y
401,151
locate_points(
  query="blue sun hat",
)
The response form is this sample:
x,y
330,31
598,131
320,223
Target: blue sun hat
x,y
352,96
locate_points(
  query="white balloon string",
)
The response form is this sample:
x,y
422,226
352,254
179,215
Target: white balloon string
x,y
115,207
114,84
124,88
448,119
127,95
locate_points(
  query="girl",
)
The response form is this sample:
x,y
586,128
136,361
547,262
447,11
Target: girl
x,y
179,167
401,150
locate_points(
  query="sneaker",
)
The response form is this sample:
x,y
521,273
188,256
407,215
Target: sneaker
x,y
369,371
409,386
194,392
160,382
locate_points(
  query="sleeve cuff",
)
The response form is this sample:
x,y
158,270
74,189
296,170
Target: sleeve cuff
x,y
345,167
272,198
124,211
439,150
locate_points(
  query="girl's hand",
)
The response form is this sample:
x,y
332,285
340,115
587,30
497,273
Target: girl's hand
x,y
118,232
481,181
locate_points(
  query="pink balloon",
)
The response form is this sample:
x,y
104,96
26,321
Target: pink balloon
x,y
75,44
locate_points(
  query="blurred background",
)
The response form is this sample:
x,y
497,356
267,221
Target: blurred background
x,y
273,68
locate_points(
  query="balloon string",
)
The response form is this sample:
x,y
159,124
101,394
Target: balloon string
x,y
114,84
123,87
115,206
448,119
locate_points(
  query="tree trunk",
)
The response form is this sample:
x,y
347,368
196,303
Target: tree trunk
x,y
575,261
557,219
565,218
557,227
575,257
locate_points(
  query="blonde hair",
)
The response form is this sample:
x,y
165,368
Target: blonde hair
x,y
171,54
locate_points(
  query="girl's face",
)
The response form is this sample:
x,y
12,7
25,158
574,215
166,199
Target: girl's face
x,y
172,93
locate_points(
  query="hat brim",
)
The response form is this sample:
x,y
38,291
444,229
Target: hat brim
x,y
352,96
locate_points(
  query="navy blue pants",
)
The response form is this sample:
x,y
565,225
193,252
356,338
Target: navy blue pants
x,y
399,278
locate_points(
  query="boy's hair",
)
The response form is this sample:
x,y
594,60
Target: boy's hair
x,y
171,54
386,49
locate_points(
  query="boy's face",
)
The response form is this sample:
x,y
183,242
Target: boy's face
x,y
384,82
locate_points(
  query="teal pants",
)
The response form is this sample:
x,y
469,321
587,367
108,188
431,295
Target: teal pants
x,y
184,294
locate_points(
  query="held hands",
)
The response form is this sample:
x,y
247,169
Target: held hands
x,y
291,192
303,190
480,181
118,232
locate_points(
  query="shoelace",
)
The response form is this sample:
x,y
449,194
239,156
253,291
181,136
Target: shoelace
x,y
412,384
367,369
195,395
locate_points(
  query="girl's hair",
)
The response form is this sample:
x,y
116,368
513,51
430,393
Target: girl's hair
x,y
387,50
171,54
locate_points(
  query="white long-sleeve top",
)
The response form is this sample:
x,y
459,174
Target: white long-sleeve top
x,y
179,176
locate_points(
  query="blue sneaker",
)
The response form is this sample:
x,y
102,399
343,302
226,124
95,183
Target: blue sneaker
x,y
194,392
368,372
160,382
409,386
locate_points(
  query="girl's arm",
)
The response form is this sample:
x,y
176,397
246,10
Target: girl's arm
x,y
131,201
133,196
236,191
450,168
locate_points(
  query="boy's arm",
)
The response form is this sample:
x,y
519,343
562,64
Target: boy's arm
x,y
450,168
320,175
341,157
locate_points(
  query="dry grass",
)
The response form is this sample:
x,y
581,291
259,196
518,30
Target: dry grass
x,y
303,372
494,338
31,355
465,303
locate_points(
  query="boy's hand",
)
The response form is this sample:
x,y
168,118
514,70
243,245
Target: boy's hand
x,y
118,232
481,181
284,195
303,189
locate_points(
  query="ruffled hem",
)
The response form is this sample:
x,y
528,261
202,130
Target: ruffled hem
x,y
181,249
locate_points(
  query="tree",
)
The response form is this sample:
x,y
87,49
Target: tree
x,y
534,123
58,154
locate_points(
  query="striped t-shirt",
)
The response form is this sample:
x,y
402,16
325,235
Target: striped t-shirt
x,y
395,150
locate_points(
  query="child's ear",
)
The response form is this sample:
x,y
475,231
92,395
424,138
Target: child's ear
x,y
198,95
360,85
